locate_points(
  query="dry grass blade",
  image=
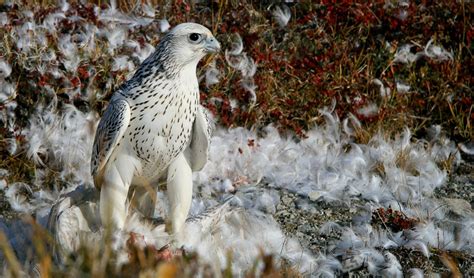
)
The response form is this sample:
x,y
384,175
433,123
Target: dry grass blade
x,y
13,265
167,270
41,240
451,264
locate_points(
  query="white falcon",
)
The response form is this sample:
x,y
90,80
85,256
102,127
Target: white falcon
x,y
155,129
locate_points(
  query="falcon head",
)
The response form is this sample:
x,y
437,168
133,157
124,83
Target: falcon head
x,y
189,43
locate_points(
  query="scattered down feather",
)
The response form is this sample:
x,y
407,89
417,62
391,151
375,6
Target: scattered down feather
x,y
74,221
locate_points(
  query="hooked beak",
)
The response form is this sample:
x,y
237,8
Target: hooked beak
x,y
212,45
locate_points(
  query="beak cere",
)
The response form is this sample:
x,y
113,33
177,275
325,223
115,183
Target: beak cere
x,y
212,45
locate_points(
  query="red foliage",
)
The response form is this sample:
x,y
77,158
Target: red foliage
x,y
43,80
393,219
83,72
75,81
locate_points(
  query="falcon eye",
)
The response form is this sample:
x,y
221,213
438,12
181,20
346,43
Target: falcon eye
x,y
195,37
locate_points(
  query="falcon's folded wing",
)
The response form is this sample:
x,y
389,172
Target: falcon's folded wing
x,y
111,128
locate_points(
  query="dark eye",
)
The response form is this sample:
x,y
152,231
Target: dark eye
x,y
195,37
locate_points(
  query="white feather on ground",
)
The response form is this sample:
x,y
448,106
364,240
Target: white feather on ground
x,y
431,51
238,60
212,234
5,69
319,167
282,15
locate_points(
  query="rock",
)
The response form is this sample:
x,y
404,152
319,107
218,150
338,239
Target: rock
x,y
314,195
307,228
287,200
328,212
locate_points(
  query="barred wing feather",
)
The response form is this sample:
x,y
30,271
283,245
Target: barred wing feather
x,y
111,128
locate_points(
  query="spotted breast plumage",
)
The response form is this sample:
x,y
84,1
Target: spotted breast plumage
x,y
154,128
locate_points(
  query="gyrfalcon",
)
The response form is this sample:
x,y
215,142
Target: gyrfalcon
x,y
155,129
